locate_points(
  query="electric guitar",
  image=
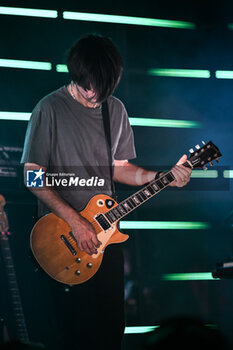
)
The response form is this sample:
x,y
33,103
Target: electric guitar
x,y
55,247
21,328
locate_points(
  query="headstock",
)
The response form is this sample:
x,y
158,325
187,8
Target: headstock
x,y
4,226
204,155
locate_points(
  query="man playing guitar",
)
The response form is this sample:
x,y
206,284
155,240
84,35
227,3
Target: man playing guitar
x,y
65,130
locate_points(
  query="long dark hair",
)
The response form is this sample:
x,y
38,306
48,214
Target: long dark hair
x,y
94,61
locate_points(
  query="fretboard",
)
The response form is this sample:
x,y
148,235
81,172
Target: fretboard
x,y
138,198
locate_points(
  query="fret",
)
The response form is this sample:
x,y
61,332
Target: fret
x,y
116,212
113,215
110,216
121,209
126,206
130,204
170,177
132,201
136,199
160,184
155,187
147,192
164,180
142,195
150,188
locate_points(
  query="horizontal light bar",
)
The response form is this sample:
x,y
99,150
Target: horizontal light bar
x,y
96,17
224,74
166,123
196,276
208,174
228,174
164,225
146,329
133,121
184,73
139,329
14,116
25,64
16,11
179,73
230,26
61,68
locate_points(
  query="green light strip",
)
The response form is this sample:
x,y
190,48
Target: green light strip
x,y
228,174
164,225
146,329
25,64
180,73
166,123
14,116
139,329
61,68
96,17
133,121
16,11
199,174
230,26
224,74
196,276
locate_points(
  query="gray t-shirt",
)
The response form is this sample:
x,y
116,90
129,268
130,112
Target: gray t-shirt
x,y
67,137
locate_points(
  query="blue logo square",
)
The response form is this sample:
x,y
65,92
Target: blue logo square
x,y
35,178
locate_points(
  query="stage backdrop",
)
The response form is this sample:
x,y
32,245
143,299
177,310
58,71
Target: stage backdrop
x,y
177,88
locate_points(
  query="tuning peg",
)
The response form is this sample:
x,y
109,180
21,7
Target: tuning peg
x,y
204,167
197,147
203,142
211,164
191,150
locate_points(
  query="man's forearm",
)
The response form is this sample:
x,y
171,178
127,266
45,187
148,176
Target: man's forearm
x,y
133,175
58,206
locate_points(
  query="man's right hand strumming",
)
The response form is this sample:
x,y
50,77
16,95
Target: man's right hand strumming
x,y
85,235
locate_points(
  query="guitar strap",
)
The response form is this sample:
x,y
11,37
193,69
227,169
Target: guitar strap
x,y
107,131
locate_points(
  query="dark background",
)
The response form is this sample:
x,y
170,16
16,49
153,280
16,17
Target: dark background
x,y
149,253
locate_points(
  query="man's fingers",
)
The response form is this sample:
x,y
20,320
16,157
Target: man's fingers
x,y
91,247
183,170
95,241
86,248
182,160
180,175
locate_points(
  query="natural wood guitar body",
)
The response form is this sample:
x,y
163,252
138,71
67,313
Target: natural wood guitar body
x,y
57,252
56,249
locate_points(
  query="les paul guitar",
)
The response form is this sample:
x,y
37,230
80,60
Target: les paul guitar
x,y
55,247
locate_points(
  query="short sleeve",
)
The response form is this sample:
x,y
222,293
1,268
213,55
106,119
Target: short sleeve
x,y
125,147
37,144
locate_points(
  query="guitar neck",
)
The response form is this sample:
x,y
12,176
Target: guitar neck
x,y
141,196
21,329
198,159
